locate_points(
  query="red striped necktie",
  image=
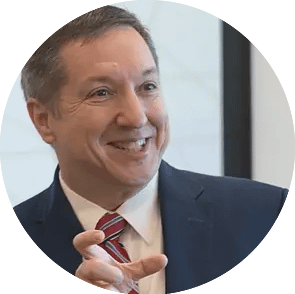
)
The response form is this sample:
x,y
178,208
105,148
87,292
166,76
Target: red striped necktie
x,y
112,224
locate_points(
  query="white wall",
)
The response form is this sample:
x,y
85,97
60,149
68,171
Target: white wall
x,y
188,42
273,133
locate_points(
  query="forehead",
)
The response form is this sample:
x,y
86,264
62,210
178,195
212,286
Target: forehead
x,y
118,50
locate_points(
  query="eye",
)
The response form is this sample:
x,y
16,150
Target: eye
x,y
149,87
100,94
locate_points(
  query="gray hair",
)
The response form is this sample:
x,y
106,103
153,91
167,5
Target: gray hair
x,y
45,73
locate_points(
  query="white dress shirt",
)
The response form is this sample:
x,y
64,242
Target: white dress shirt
x,y
142,237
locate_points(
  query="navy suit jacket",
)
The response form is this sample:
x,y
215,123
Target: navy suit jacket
x,y
210,224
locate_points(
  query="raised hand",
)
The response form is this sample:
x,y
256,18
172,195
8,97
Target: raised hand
x,y
100,269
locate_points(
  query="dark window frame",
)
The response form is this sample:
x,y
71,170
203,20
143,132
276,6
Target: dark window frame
x,y
237,135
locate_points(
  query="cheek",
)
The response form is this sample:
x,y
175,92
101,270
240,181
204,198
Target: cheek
x,y
158,117
76,130
93,119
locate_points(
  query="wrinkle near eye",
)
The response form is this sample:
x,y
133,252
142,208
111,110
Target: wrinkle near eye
x,y
72,105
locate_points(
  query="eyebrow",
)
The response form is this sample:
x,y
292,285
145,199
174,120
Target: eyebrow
x,y
107,78
152,70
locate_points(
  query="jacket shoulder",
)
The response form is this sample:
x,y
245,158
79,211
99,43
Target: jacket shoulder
x,y
232,184
32,209
233,191
229,183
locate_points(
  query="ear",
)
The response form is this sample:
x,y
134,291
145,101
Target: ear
x,y
41,117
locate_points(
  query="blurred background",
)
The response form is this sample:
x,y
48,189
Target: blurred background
x,y
228,112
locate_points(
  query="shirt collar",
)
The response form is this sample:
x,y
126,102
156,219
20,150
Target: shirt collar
x,y
141,211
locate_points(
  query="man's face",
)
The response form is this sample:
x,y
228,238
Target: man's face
x,y
113,120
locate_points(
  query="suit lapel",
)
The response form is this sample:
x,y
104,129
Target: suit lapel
x,y
61,225
187,219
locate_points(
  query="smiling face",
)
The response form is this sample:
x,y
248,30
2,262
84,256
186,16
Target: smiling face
x,y
113,122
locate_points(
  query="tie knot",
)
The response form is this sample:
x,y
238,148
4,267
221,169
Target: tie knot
x,y
112,224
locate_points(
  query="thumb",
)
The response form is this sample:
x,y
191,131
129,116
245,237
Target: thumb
x,y
146,266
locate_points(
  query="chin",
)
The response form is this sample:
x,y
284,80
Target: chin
x,y
139,176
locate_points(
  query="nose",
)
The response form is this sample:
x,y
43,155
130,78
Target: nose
x,y
132,111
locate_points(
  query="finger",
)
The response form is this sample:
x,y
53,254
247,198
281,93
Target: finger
x,y
86,244
100,284
146,266
97,270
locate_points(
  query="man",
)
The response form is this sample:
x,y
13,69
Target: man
x,y
93,93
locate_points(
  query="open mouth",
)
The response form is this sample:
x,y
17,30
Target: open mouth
x,y
138,145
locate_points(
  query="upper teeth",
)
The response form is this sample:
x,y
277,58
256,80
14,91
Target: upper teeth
x,y
140,142
131,145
